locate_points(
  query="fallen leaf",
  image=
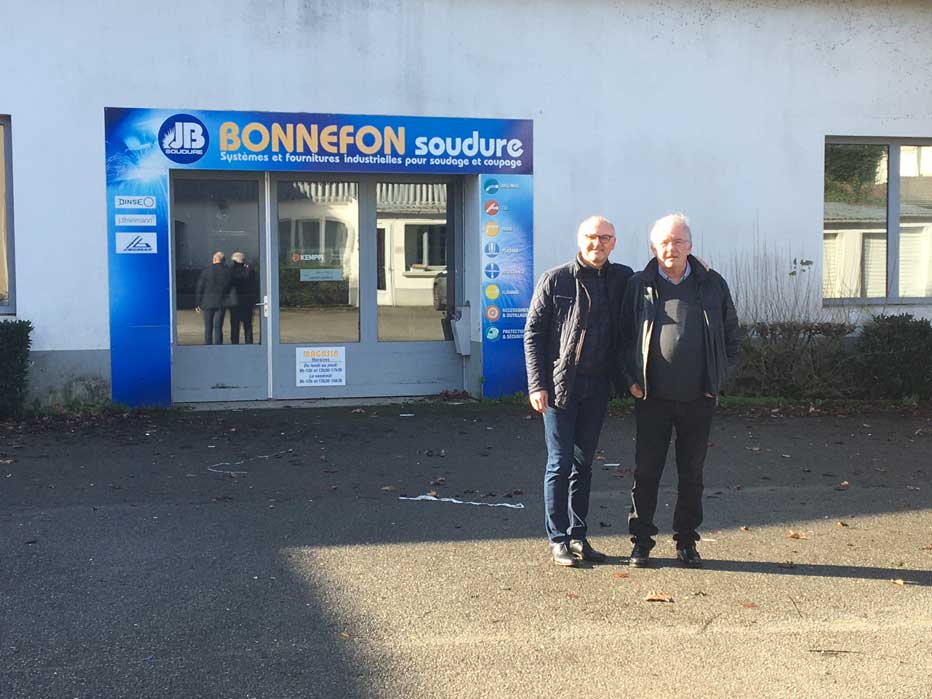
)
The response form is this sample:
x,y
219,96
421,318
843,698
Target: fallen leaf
x,y
517,491
753,448
749,605
899,581
390,488
796,535
842,524
745,529
343,634
621,576
605,524
570,595
439,481
658,597
786,456
359,411
842,486
927,548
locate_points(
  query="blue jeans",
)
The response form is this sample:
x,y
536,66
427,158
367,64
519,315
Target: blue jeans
x,y
572,435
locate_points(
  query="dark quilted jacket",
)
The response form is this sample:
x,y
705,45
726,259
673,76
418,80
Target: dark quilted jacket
x,y
556,329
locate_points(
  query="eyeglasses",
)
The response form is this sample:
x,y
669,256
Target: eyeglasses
x,y
599,238
675,242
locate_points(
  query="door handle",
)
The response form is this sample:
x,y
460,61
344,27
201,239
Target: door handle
x,y
265,306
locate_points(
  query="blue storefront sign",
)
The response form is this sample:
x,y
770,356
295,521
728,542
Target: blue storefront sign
x,y
144,145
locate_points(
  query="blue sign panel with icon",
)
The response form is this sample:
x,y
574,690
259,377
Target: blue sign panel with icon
x,y
507,237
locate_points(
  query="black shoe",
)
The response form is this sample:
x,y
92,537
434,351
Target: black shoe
x,y
561,555
689,556
581,549
640,556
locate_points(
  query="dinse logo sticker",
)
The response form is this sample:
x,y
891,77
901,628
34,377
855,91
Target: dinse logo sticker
x,y
183,138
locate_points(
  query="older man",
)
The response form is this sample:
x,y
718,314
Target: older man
x,y
571,353
681,336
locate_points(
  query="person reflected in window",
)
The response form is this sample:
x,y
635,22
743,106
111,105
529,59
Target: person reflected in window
x,y
213,287
246,292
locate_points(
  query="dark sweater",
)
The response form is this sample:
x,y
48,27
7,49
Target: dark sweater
x,y
594,359
676,363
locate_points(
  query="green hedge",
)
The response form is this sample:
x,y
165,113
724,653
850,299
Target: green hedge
x,y
14,366
890,359
794,360
894,354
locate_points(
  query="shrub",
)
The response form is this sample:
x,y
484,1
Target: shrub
x,y
894,357
14,366
794,359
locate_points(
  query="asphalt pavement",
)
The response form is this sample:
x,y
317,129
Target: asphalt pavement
x,y
276,553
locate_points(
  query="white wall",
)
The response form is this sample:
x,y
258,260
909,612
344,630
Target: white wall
x,y
717,108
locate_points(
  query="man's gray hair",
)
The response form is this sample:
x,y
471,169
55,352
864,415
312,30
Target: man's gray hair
x,y
667,224
593,222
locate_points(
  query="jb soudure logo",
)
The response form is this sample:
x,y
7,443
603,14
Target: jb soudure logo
x,y
183,138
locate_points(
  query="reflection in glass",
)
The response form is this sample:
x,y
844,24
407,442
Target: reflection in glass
x,y
412,261
855,224
216,254
318,262
4,260
916,221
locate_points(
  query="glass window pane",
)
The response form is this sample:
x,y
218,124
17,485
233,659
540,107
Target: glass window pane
x,y
4,233
855,225
916,221
412,261
216,290
318,262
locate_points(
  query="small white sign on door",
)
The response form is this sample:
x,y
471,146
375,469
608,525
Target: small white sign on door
x,y
320,366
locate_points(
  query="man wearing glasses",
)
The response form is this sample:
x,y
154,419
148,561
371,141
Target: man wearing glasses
x,y
680,338
571,349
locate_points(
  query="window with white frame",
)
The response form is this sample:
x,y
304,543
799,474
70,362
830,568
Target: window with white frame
x,y
6,220
425,246
877,228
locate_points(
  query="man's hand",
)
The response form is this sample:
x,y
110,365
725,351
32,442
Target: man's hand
x,y
539,401
636,391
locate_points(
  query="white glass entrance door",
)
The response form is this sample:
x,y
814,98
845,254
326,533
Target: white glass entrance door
x,y
359,297
218,269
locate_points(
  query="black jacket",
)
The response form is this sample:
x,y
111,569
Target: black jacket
x,y
213,287
556,329
245,284
721,324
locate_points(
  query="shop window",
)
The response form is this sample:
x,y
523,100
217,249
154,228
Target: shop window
x,y
877,233
6,220
425,246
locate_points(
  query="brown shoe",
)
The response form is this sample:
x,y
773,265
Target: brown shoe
x,y
581,549
561,555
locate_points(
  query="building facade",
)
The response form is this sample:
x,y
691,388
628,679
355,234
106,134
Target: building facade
x,y
796,135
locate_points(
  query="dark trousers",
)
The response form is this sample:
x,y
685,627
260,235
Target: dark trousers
x,y
572,435
213,325
241,315
656,419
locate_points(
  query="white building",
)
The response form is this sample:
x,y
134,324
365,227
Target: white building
x,y
753,118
